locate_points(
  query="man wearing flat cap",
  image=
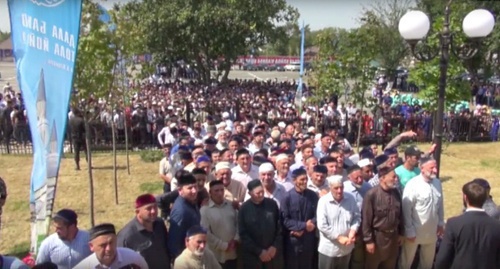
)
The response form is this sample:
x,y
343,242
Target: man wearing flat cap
x,y
196,255
185,213
382,225
146,233
106,254
260,230
68,245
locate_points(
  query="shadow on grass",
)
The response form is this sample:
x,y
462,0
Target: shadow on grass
x,y
19,250
151,187
109,167
444,179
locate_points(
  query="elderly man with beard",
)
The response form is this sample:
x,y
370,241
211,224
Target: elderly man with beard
x,y
196,255
298,210
260,230
146,233
382,225
283,171
185,213
338,219
68,245
423,214
107,254
234,190
357,187
272,189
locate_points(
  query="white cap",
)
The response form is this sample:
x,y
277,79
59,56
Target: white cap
x,y
335,179
281,124
311,130
222,165
170,108
225,115
266,167
364,162
172,125
281,157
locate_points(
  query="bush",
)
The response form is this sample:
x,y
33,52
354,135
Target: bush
x,y
151,156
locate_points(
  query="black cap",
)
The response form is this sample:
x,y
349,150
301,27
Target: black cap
x,y
211,141
102,229
412,151
320,169
258,160
483,182
298,172
353,168
67,215
390,151
185,156
194,230
253,184
186,179
380,159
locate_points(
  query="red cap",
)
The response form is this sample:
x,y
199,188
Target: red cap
x,y
144,199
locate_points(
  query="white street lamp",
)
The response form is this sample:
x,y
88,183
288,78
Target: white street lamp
x,y
414,25
478,23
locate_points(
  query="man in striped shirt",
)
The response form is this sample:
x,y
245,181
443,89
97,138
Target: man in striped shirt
x,y
68,245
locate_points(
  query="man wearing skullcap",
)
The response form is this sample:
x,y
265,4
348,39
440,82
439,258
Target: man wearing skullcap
x,y
282,176
196,255
317,182
261,237
272,189
220,219
383,226
146,234
68,245
378,163
245,171
366,168
234,190
103,243
185,213
423,213
336,242
298,209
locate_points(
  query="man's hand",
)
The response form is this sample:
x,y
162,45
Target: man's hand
x,y
310,226
272,252
440,231
411,239
323,192
236,205
401,240
344,240
433,148
352,234
409,134
297,233
370,248
264,256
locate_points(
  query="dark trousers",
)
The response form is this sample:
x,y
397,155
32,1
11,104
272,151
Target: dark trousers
x,y
79,145
230,264
358,254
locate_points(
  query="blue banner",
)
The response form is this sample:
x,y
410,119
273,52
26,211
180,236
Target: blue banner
x,y
45,41
298,94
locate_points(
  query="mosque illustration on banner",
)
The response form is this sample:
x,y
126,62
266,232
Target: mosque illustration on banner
x,y
41,112
52,153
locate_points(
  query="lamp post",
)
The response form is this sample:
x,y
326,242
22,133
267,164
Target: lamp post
x,y
415,25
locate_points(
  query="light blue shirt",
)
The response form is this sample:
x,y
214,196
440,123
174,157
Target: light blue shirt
x,y
358,193
335,219
10,262
64,254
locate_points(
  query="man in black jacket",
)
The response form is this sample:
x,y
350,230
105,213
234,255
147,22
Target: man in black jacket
x,y
471,240
77,127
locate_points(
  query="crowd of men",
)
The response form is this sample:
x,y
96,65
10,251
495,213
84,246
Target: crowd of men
x,y
285,198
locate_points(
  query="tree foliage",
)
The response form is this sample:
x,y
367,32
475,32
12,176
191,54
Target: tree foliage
x,y
206,31
4,35
380,24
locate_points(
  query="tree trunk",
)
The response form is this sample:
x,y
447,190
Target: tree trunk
x,y
227,69
91,178
360,123
115,172
126,136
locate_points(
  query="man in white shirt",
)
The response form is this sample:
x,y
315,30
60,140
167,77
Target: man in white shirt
x,y
245,171
272,189
338,218
423,214
167,135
